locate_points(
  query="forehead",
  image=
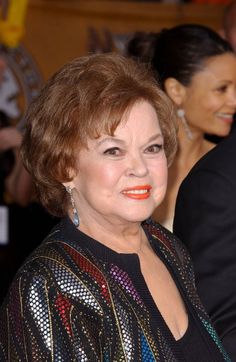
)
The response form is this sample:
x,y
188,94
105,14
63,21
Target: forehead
x,y
217,68
141,117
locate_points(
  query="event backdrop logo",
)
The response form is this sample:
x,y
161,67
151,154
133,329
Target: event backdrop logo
x,y
20,83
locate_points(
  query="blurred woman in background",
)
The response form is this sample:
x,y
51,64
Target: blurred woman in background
x,y
197,70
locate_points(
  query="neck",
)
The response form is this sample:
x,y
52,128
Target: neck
x,y
128,238
191,150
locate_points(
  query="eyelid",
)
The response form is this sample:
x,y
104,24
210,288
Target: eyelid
x,y
158,145
117,151
110,149
222,87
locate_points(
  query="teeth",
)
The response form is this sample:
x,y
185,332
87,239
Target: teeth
x,y
138,192
225,115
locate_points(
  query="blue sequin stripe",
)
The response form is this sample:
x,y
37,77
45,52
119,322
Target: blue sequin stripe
x,y
106,357
147,355
215,338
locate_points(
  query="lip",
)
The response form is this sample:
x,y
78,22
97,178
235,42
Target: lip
x,y
139,192
226,117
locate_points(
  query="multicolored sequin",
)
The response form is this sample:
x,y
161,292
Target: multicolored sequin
x,y
70,302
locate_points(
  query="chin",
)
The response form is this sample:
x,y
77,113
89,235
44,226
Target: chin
x,y
138,218
138,213
225,130
225,133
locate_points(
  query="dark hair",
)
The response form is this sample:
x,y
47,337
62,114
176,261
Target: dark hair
x,y
182,51
178,52
141,46
87,97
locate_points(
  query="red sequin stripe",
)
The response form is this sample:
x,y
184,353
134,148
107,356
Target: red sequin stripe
x,y
63,307
88,267
161,236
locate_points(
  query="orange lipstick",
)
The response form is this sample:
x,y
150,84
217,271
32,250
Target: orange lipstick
x,y
140,192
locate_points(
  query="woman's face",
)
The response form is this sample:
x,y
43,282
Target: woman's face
x,y
210,99
122,178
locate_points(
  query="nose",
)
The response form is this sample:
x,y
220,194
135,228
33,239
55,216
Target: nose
x,y
137,166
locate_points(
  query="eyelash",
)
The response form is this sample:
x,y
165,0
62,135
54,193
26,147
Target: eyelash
x,y
112,151
157,148
116,151
222,89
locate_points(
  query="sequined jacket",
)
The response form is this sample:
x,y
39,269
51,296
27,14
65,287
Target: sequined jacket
x,y
76,300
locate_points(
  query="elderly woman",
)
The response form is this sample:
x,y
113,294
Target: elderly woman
x,y
107,284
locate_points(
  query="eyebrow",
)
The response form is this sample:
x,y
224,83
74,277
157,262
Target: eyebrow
x,y
223,81
110,138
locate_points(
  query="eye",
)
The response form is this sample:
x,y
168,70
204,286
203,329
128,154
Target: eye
x,y
154,148
222,89
113,151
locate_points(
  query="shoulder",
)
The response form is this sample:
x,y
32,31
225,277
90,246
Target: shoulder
x,y
212,171
58,265
54,292
220,159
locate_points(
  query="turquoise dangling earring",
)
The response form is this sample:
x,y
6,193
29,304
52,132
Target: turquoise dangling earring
x,y
75,212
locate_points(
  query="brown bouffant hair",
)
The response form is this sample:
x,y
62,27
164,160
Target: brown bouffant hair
x,y
86,98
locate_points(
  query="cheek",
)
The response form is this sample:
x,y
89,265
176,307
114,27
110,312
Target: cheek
x,y
163,177
160,184
204,111
160,173
107,175
198,104
213,105
192,109
213,102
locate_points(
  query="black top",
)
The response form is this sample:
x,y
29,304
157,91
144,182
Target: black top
x,y
192,344
205,221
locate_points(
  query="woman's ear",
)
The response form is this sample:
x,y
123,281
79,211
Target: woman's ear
x,y
68,184
71,184
175,90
